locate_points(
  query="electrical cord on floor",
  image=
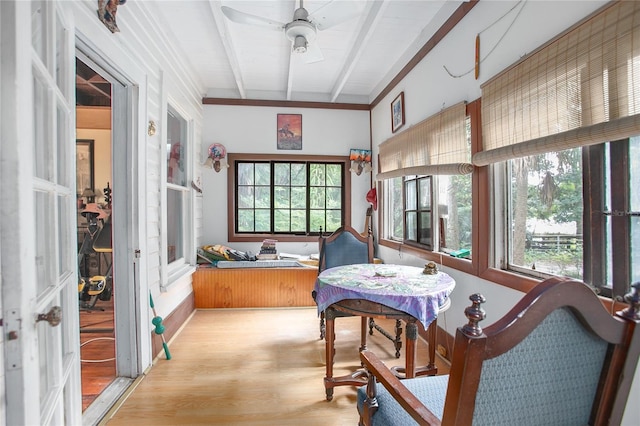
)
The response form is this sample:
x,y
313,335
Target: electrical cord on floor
x,y
93,340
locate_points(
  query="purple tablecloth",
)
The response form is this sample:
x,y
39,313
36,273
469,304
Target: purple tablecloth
x,y
404,288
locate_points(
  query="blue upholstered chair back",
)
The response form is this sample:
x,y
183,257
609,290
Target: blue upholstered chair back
x,y
558,357
552,374
345,249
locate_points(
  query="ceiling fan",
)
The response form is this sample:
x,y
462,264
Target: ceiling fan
x,y
303,28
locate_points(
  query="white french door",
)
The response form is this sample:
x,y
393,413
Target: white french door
x,y
38,215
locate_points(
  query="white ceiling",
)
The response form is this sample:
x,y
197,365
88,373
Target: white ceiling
x,y
241,61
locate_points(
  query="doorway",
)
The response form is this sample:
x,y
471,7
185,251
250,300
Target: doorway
x,y
96,288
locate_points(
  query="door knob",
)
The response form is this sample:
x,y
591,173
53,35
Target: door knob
x,y
53,317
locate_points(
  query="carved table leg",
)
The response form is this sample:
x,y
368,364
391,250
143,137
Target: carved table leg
x,y
358,377
363,334
409,370
430,369
323,329
412,337
329,340
398,340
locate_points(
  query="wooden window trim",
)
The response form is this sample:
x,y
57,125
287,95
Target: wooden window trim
x,y
231,184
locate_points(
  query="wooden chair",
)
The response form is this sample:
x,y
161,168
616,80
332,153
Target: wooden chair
x,y
345,246
557,358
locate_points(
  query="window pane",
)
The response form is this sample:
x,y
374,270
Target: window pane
x,y
298,175
317,173
412,226
425,194
263,220
334,198
282,197
245,220
176,138
175,220
334,219
282,220
410,195
317,199
635,249
634,173
245,197
396,208
298,220
317,221
634,205
43,148
245,174
298,197
545,211
263,197
425,229
334,175
454,212
263,174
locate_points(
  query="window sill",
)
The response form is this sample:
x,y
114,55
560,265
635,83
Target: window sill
x,y
258,238
177,275
463,265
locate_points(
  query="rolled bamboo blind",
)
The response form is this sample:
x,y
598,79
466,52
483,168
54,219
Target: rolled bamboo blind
x,y
436,145
582,88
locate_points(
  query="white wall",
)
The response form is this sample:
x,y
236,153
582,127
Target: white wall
x,y
429,88
244,129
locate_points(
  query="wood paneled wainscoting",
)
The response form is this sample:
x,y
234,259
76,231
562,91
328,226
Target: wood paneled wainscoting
x,y
254,287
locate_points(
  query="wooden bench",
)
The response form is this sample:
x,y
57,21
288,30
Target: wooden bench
x,y
253,287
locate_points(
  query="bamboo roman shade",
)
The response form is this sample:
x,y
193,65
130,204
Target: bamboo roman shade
x,y
583,88
436,145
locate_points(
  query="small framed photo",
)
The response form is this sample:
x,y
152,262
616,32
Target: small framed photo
x,y
289,131
397,112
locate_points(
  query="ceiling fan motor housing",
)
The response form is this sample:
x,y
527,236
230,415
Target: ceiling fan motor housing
x,y
300,31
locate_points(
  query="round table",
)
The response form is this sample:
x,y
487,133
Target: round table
x,y
381,291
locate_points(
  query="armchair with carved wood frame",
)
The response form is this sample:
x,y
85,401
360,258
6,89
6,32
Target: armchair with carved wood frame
x,y
557,358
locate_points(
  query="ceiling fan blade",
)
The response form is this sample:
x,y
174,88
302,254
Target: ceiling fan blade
x,y
333,13
313,54
245,18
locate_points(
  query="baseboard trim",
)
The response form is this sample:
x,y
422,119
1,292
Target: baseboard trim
x,y
172,323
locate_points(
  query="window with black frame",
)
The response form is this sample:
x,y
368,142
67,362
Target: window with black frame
x,y
289,197
418,214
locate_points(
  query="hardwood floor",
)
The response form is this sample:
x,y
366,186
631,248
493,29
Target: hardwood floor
x,y
253,367
97,351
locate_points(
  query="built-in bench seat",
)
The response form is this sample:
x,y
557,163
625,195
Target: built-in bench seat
x,y
254,287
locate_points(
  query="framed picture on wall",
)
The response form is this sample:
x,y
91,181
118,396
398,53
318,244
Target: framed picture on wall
x,y
84,165
289,131
397,112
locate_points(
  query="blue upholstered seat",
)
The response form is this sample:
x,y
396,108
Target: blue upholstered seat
x,y
430,390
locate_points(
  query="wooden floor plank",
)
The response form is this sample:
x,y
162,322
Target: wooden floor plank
x,y
254,367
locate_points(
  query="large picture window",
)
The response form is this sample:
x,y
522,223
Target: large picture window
x,y
288,197
545,214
